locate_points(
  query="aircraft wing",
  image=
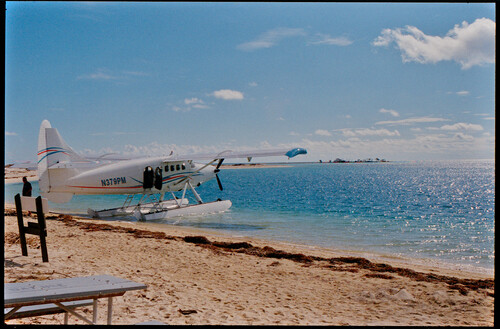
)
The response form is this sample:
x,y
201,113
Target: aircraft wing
x,y
228,154
112,157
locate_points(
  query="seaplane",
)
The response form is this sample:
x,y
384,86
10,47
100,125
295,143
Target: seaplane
x,y
63,173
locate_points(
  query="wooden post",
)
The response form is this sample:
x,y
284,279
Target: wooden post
x,y
42,228
20,222
39,228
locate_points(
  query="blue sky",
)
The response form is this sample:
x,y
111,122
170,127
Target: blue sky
x,y
344,80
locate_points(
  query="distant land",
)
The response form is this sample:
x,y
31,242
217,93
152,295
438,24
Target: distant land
x,y
285,164
338,160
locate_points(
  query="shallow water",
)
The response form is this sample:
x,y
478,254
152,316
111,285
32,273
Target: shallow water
x,y
439,210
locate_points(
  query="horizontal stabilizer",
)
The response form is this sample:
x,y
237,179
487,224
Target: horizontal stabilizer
x,y
24,165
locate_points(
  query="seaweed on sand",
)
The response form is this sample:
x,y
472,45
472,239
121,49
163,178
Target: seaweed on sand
x,y
336,263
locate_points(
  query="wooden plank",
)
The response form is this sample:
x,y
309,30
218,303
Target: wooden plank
x,y
29,204
43,228
45,309
33,230
32,292
65,299
20,223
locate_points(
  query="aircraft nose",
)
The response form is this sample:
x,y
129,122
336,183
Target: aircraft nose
x,y
211,172
208,173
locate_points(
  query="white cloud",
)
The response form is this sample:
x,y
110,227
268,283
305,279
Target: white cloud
x,y
463,137
136,73
253,84
181,109
271,38
325,39
348,132
100,74
369,132
419,147
193,100
10,134
459,93
156,149
113,133
462,126
322,132
411,121
376,132
106,74
391,112
228,94
200,106
466,44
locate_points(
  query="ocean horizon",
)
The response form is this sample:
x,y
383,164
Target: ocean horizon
x,y
438,211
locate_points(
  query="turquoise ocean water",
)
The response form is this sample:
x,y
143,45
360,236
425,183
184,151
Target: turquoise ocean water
x,y
431,210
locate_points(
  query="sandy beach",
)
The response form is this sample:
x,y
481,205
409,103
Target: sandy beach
x,y
197,278
203,278
15,175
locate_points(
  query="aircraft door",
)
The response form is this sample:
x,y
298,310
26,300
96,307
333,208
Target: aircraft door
x,y
158,178
148,177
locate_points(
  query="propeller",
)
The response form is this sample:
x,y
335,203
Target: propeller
x,y
216,170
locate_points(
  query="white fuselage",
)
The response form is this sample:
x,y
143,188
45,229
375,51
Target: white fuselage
x,y
62,172
128,177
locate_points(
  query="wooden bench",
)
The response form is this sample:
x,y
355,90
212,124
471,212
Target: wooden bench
x,y
46,309
61,291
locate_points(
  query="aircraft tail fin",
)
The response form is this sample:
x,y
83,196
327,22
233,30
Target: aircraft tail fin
x,y
52,149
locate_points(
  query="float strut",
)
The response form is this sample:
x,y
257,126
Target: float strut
x,y
196,195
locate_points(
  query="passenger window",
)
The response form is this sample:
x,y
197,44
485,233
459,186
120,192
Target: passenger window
x,y
178,167
183,166
172,167
166,168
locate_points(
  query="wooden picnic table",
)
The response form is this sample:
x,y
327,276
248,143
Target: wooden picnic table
x,y
58,291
